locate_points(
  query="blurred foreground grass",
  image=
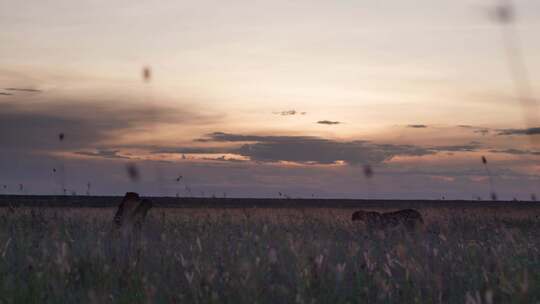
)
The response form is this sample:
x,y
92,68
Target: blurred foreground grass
x,y
268,256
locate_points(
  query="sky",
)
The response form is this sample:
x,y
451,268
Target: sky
x,y
270,98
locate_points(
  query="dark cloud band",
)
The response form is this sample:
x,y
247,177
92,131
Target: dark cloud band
x,y
23,90
328,122
528,131
317,150
289,113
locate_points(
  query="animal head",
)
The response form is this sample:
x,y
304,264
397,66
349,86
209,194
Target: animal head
x,y
131,196
126,207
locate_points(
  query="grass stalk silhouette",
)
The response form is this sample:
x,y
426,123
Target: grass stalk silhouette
x,y
493,194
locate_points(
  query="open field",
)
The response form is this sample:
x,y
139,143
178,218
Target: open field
x,y
462,254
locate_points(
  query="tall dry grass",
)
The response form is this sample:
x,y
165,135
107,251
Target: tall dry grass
x,y
268,256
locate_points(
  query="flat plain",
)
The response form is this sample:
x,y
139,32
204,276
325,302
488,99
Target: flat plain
x,y
267,251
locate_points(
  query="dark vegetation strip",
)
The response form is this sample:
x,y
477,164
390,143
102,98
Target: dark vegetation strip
x,y
197,202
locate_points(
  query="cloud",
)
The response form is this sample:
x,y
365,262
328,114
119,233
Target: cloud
x,y
308,149
289,113
324,152
484,132
228,137
313,150
328,122
472,146
5,94
516,152
103,153
479,130
528,131
223,158
192,150
23,90
417,126
35,125
317,150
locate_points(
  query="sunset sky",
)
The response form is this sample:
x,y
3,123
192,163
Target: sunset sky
x,y
254,98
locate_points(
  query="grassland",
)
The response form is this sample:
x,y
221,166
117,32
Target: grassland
x,y
278,255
